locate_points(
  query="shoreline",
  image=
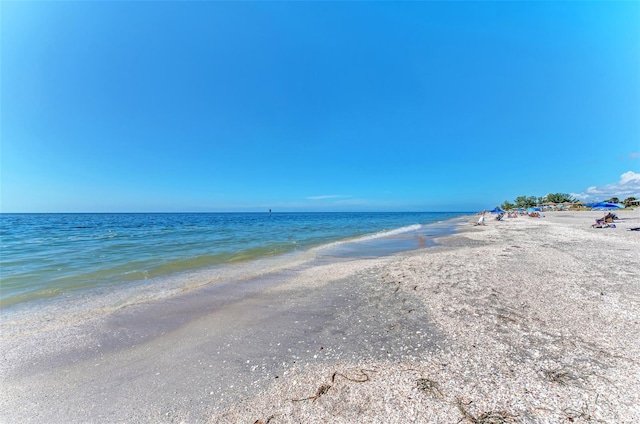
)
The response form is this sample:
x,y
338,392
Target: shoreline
x,y
63,311
504,318
229,260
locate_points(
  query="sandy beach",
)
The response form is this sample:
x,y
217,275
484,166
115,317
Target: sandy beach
x,y
524,320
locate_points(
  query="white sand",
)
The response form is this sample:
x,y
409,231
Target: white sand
x,y
541,323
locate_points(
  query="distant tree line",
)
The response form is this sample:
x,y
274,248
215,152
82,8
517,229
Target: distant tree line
x,y
531,201
627,202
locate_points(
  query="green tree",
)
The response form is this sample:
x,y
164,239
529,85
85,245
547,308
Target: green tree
x,y
628,200
560,198
526,202
613,200
507,205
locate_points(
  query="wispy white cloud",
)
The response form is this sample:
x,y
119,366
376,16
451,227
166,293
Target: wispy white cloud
x,y
329,196
627,186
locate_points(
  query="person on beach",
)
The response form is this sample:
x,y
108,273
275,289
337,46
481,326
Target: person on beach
x,y
603,223
481,219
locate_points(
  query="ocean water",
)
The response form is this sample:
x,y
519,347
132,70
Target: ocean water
x,y
48,257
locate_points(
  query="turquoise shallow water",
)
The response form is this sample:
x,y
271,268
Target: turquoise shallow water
x,y
46,256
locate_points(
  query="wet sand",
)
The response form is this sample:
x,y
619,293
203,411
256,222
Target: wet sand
x,y
183,358
531,320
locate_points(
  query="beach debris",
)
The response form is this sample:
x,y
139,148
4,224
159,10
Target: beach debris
x,y
507,318
264,422
429,386
490,417
355,380
323,389
560,376
572,414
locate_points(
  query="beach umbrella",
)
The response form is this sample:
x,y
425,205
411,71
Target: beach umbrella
x,y
607,206
536,209
497,210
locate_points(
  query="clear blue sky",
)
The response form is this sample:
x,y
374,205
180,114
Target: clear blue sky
x,y
316,106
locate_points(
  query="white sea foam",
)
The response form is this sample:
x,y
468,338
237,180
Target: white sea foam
x,y
368,237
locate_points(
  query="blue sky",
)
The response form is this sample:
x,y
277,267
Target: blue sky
x,y
316,106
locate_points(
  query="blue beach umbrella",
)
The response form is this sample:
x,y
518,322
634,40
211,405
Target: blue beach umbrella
x,y
497,210
606,206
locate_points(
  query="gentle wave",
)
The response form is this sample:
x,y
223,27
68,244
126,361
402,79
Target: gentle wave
x,y
374,236
390,232
46,256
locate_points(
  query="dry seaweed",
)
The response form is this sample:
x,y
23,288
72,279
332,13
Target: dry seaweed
x,y
507,318
323,389
560,376
490,417
572,414
429,386
355,380
583,414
